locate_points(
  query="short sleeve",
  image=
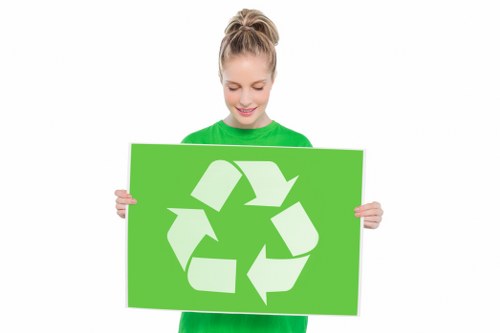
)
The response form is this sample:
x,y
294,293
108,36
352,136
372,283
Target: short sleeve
x,y
307,143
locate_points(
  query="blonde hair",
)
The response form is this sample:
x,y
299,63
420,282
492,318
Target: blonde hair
x,y
249,32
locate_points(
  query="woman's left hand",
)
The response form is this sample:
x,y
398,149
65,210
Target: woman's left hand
x,y
371,214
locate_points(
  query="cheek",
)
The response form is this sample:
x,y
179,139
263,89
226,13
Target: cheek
x,y
230,98
262,97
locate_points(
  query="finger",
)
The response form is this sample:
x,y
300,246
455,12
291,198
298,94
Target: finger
x,y
127,201
369,212
371,225
371,205
121,193
121,213
120,206
374,219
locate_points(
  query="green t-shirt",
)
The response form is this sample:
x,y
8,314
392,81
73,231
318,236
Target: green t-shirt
x,y
273,134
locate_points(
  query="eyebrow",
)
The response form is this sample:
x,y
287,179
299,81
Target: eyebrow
x,y
263,81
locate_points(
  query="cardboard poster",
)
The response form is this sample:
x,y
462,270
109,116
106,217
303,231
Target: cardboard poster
x,y
244,229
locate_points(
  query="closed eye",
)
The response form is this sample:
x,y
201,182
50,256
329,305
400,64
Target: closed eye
x,y
233,89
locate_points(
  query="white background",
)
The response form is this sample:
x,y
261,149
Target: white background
x,y
416,84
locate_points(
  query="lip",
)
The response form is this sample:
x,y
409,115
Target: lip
x,y
248,113
248,109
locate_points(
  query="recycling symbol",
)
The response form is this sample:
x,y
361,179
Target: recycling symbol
x,y
213,189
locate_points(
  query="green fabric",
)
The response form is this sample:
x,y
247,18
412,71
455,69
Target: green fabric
x,y
273,134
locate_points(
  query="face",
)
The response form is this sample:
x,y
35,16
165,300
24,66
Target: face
x,y
247,84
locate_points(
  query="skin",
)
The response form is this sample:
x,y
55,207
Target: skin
x,y
247,83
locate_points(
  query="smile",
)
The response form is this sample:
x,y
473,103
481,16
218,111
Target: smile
x,y
246,110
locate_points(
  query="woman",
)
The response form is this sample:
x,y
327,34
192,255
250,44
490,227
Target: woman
x,y
247,70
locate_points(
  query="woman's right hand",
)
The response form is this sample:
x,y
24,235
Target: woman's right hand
x,y
122,200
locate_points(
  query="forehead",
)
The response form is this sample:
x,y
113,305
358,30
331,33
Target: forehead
x,y
246,69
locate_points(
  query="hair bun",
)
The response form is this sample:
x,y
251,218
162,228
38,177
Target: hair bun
x,y
253,20
246,27
249,32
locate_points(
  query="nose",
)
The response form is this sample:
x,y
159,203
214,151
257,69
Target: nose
x,y
245,98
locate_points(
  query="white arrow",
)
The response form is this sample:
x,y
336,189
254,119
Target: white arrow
x,y
296,229
268,183
187,231
216,184
271,275
218,275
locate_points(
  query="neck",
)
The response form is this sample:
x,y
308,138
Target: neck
x,y
263,121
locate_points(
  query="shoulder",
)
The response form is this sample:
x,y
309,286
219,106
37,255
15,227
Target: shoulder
x,y
199,136
298,139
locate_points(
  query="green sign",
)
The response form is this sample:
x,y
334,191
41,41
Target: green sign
x,y
244,229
